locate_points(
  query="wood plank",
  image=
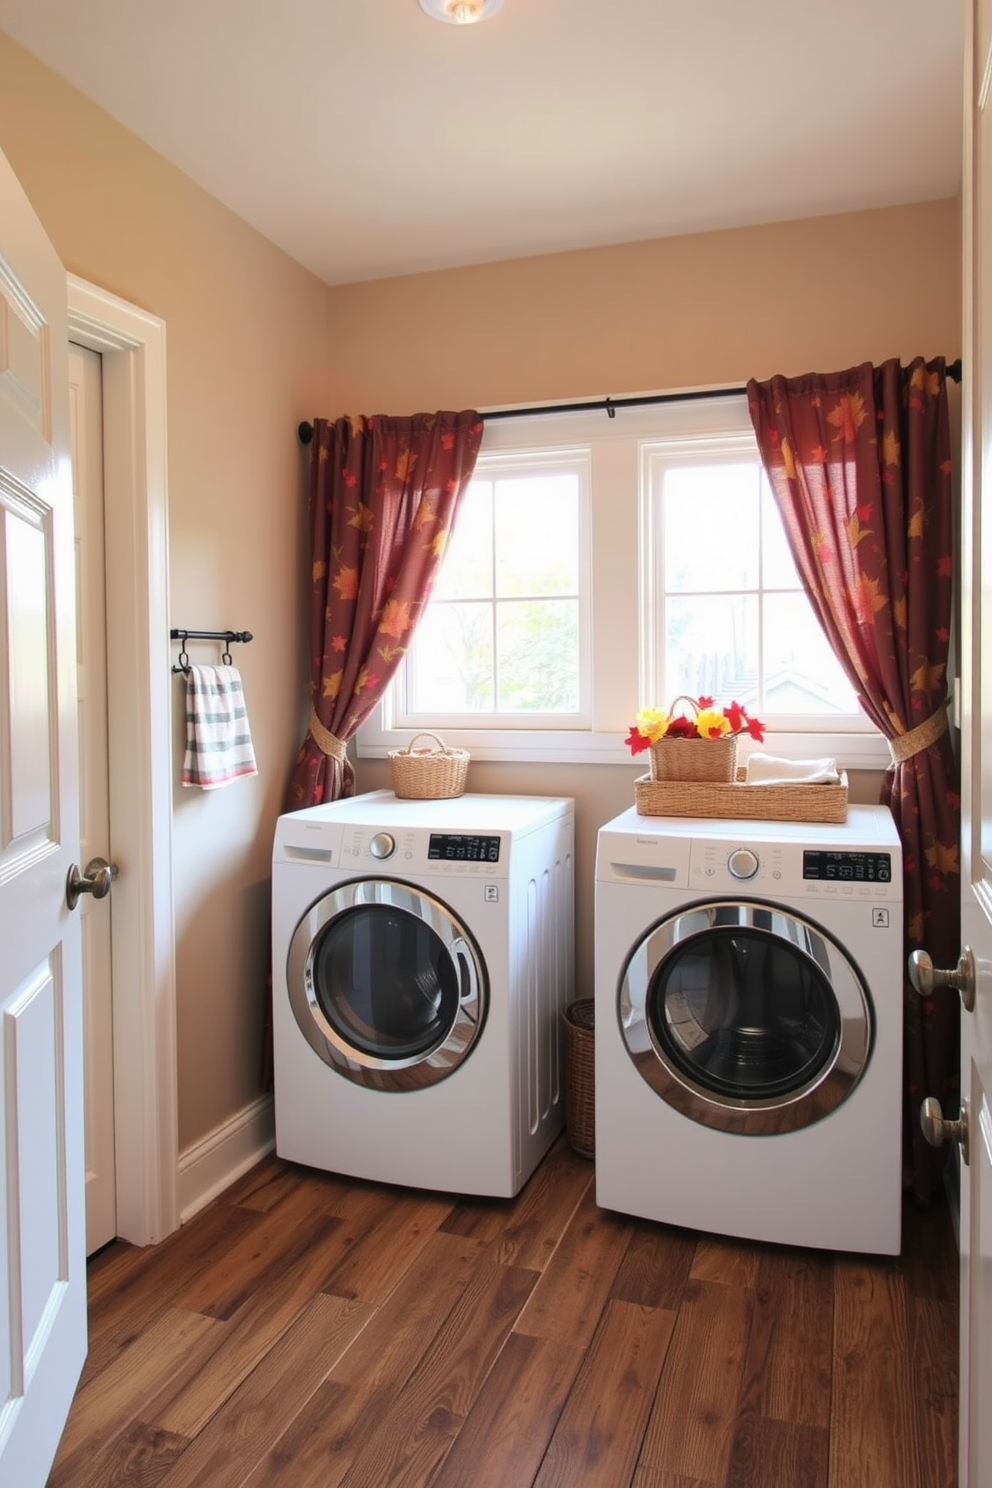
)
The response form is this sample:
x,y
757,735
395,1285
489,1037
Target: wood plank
x,y
933,1343
650,1477
787,1372
872,1362
342,1416
570,1296
417,1429
507,1431
379,1259
655,1266
771,1454
197,1392
691,1427
261,1409
319,1444
734,1262
531,1234
598,1439
278,1237
143,1283
110,1402
139,1457
385,1354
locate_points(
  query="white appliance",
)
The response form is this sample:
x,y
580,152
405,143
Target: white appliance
x,y
748,1027
422,955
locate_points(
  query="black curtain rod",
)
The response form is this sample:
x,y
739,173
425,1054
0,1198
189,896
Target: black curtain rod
x,y
610,405
211,635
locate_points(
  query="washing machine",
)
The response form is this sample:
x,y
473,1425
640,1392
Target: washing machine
x,y
422,955
748,1027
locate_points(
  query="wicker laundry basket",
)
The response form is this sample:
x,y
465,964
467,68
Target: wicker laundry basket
x,y
430,774
580,1106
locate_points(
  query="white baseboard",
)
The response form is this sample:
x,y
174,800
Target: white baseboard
x,y
213,1164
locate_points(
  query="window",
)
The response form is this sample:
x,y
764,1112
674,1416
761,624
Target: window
x,y
600,564
726,614
504,640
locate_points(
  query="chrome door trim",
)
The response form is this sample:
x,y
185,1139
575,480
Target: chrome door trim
x,y
753,1117
455,1043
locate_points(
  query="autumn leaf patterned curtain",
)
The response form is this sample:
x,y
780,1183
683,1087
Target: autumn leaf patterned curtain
x,y
859,462
383,496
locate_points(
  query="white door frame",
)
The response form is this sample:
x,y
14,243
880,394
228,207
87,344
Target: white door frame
x,y
132,344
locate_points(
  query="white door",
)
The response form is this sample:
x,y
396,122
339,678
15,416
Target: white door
x,y
86,426
42,1243
975,1466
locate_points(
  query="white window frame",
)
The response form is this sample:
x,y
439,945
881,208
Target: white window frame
x,y
619,551
491,464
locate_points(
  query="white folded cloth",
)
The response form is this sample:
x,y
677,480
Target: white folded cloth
x,y
768,769
218,739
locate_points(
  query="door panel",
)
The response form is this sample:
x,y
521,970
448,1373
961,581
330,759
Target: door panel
x,y
42,1255
95,916
976,739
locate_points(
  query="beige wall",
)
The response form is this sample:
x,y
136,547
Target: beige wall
x,y
715,309
255,344
246,347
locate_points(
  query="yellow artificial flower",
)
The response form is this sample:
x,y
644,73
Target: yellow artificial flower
x,y
652,723
711,724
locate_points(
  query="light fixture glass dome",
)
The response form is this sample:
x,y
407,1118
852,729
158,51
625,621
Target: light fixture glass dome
x,y
461,12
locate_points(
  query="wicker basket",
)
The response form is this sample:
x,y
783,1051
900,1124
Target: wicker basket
x,y
580,1109
676,758
791,802
431,774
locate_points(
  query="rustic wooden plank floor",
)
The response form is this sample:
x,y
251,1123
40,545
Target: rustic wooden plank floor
x,y
309,1331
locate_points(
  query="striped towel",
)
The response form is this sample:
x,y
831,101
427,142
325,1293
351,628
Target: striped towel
x,y
218,739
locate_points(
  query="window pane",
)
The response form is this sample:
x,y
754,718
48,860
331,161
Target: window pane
x,y
802,675
711,648
467,568
537,534
537,643
451,660
778,569
711,527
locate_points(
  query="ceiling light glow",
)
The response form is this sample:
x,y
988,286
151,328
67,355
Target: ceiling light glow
x,y
460,12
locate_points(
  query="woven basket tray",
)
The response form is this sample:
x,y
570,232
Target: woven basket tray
x,y
813,803
431,774
580,1108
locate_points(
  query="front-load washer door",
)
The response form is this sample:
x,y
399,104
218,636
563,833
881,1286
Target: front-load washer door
x,y
386,984
745,1017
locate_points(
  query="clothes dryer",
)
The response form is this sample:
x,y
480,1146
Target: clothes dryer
x,y
748,1046
422,955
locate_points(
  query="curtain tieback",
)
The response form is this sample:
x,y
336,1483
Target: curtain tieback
x,y
327,742
904,746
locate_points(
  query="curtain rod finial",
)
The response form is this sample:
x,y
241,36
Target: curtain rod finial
x,y
305,433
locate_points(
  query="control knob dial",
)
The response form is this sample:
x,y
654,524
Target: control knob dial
x,y
743,863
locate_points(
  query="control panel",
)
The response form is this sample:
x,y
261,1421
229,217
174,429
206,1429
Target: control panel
x,y
847,867
461,847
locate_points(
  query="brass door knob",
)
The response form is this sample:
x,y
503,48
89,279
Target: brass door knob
x,y
925,976
938,1130
96,879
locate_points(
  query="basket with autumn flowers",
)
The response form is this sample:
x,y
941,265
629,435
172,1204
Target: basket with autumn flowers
x,y
703,747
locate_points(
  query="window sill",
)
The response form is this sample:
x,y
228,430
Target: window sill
x,y
853,751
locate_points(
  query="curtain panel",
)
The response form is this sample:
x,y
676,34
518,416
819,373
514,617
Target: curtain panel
x,y
384,492
859,463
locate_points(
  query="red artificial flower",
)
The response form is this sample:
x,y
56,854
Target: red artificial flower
x,y
636,741
681,728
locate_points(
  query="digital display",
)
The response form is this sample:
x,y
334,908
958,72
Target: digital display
x,y
457,847
848,867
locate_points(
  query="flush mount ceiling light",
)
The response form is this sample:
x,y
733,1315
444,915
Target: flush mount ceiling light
x,y
461,12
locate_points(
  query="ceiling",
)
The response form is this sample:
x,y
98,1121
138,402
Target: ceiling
x,y
368,140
